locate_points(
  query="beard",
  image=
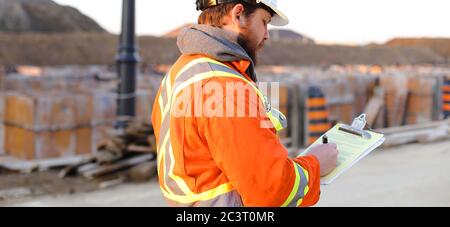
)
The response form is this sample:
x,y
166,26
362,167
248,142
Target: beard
x,y
250,47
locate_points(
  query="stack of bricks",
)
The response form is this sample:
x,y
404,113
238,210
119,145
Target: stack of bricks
x,y
62,116
47,125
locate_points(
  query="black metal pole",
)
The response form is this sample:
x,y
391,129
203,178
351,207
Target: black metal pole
x,y
127,60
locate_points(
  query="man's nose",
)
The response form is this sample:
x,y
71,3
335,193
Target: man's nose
x,y
266,34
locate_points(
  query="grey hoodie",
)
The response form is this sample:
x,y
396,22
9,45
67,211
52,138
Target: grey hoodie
x,y
217,43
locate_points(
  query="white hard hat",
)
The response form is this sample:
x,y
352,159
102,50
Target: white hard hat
x,y
279,19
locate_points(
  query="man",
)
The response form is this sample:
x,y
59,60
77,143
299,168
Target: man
x,y
209,155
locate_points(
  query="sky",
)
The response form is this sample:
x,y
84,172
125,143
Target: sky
x,y
327,21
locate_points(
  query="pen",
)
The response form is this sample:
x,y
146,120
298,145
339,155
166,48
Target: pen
x,y
325,139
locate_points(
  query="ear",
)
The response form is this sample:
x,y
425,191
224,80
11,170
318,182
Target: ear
x,y
237,15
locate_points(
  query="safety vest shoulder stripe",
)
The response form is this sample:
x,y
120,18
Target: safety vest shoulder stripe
x,y
210,74
204,67
216,67
300,188
196,69
205,76
192,63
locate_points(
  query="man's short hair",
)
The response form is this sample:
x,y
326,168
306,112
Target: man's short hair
x,y
214,15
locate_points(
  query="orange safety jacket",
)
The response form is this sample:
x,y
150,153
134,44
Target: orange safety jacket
x,y
224,161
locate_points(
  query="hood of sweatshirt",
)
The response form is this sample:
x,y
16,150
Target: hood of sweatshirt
x,y
217,43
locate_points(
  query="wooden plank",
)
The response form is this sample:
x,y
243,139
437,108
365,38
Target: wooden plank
x,y
423,134
106,169
73,169
405,137
374,106
140,149
28,166
435,135
87,167
414,127
372,110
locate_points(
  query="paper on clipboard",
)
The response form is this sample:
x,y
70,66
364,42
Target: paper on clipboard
x,y
351,148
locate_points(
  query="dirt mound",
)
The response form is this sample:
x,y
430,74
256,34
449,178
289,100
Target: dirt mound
x,y
439,45
43,16
300,54
97,48
289,36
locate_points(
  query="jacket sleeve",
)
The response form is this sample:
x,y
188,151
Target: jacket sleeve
x,y
257,164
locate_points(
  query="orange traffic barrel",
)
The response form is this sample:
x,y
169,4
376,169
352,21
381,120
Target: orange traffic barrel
x,y
446,98
318,122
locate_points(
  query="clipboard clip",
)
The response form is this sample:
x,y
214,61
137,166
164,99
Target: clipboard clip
x,y
357,127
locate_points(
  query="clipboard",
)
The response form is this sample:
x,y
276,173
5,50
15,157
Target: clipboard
x,y
354,142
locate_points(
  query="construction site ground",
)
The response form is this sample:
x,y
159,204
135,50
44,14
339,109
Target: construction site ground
x,y
409,175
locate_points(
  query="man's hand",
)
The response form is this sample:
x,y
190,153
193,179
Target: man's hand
x,y
327,155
